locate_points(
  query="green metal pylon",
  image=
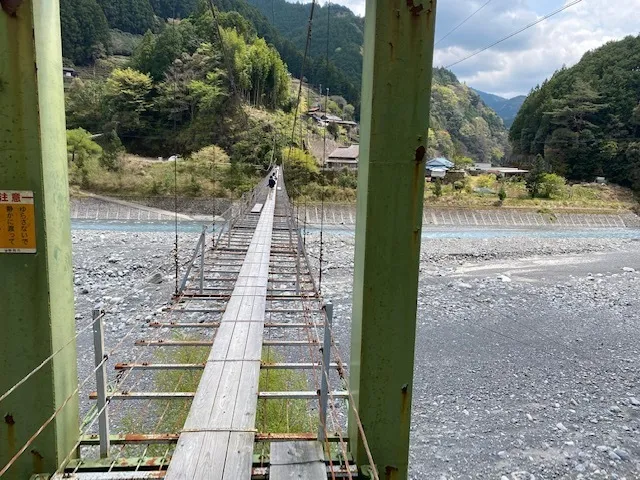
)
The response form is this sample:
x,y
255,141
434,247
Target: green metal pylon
x,y
36,309
396,87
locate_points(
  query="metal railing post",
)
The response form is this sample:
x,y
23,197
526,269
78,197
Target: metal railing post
x,y
203,240
101,381
326,363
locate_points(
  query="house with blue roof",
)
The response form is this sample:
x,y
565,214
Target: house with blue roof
x,y
439,162
438,167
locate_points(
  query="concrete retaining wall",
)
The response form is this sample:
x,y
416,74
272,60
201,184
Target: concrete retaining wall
x,y
160,208
152,208
338,214
186,205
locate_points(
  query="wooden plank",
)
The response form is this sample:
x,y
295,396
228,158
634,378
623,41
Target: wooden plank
x,y
297,460
183,466
244,414
223,405
257,208
210,463
207,390
239,456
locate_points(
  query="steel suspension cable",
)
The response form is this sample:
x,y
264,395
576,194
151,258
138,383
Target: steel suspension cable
x,y
463,22
304,61
517,32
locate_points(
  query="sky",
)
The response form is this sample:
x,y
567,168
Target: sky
x,y
517,65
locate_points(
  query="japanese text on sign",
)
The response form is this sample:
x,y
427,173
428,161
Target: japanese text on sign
x,y
17,222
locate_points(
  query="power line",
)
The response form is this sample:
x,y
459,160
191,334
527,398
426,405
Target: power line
x,y
463,22
511,35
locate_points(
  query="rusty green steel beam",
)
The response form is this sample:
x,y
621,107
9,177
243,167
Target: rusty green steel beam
x,y
398,56
36,310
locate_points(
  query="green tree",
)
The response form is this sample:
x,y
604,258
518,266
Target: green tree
x,y
81,146
85,105
127,96
571,150
112,151
334,130
462,163
174,8
156,54
300,169
133,16
84,30
348,112
535,175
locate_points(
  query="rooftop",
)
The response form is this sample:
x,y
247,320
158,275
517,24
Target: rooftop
x,y
439,162
346,153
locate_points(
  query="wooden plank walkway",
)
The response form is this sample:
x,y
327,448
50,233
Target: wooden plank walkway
x,y
297,460
218,437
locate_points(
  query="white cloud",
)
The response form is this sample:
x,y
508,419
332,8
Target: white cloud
x,y
519,64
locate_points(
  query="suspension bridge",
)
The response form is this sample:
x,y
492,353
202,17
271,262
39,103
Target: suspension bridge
x,y
251,283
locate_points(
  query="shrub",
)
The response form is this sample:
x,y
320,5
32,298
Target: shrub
x,y
502,194
552,185
437,188
211,154
485,181
347,179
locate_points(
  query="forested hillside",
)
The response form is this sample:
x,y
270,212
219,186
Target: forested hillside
x,y
345,31
86,36
461,124
177,96
585,120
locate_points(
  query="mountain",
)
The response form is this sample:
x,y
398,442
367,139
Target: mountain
x,y
507,108
585,120
461,124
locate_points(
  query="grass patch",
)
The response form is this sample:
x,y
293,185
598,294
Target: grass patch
x,y
584,196
166,416
206,173
169,416
282,416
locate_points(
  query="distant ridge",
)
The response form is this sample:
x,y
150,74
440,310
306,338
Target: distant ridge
x,y
506,108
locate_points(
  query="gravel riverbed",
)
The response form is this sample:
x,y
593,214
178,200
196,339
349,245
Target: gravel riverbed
x,y
527,356
527,361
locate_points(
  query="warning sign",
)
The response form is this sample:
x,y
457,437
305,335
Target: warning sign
x,y
17,222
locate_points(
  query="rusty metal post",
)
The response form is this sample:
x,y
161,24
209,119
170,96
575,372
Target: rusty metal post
x,y
37,312
326,364
101,381
396,85
203,241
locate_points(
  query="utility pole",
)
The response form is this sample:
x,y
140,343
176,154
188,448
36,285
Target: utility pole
x,y
37,313
396,86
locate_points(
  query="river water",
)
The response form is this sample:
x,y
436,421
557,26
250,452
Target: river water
x,y
430,232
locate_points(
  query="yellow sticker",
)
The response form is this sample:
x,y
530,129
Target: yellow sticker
x,y
17,222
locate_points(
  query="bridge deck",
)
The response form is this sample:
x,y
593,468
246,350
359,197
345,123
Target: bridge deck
x,y
296,460
218,437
